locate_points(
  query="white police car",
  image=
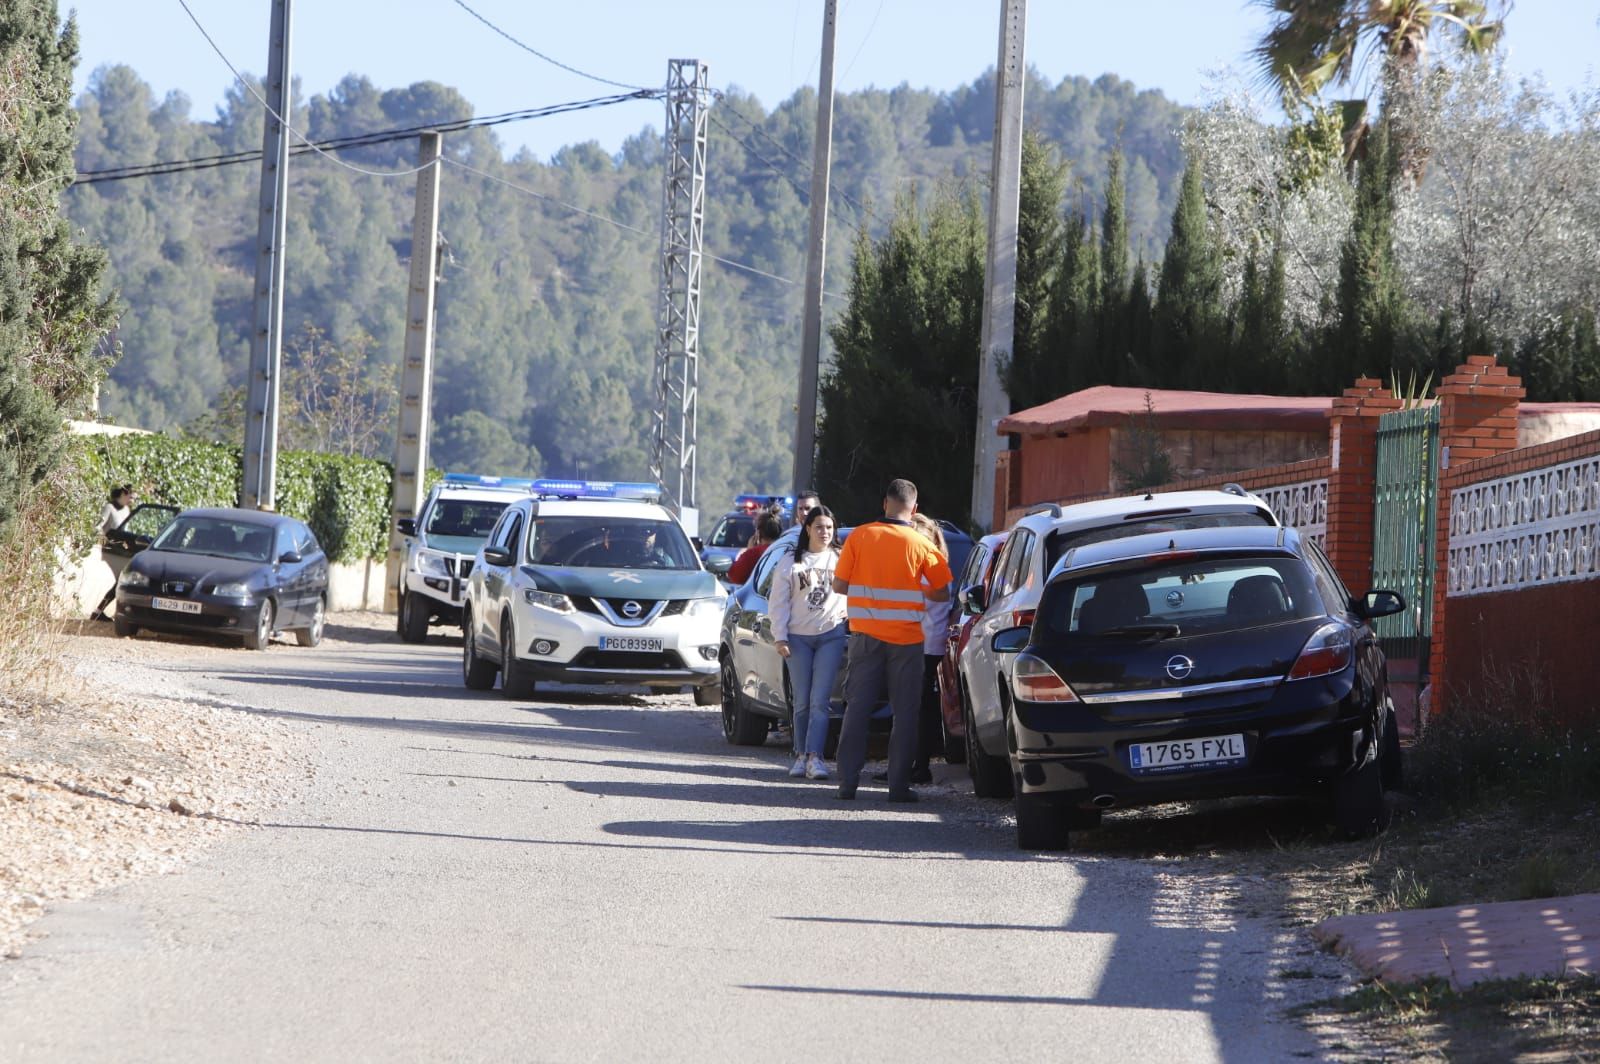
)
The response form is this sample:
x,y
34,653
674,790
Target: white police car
x,y
594,583
441,542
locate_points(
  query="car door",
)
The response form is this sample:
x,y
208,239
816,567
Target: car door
x,y
766,662
980,664
315,574
497,583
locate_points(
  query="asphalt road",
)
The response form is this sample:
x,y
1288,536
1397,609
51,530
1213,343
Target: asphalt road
x,y
584,876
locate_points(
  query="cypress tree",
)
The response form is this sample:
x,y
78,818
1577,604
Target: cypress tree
x,y
1187,346
1113,332
1370,303
51,313
1036,371
1260,339
1075,304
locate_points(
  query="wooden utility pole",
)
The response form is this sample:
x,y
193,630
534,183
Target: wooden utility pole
x,y
805,433
1000,267
416,375
266,337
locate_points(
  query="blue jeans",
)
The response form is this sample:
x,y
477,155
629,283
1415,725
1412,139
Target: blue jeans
x,y
814,662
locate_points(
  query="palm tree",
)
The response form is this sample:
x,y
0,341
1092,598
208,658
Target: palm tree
x,y
1315,44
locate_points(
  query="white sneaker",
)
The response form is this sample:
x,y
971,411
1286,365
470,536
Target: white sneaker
x,y
799,766
816,768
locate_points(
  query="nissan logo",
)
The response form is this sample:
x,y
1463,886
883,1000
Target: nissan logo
x,y
631,609
1179,667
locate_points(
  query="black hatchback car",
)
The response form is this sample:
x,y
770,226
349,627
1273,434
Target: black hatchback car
x,y
228,572
1201,664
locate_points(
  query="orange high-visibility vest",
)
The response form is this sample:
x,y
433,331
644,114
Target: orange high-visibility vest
x,y
884,565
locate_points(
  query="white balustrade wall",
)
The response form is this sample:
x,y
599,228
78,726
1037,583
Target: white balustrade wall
x,y
1302,506
1527,530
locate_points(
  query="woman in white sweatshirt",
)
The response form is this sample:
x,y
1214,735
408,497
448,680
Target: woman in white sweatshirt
x,y
808,625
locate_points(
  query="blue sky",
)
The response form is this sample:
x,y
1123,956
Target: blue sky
x,y
767,47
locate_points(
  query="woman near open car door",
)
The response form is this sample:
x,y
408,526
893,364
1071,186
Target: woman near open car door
x,y
808,626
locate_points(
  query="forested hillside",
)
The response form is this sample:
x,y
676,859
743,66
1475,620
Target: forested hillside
x,y
546,315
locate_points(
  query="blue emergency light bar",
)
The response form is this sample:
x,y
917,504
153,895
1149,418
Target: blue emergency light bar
x,y
597,489
478,480
761,502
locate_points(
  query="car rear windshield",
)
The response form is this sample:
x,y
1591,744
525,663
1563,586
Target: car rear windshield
x,y
1192,594
469,518
733,532
217,537
1058,543
598,542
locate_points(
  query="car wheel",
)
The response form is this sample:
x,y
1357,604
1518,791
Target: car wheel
x,y
1359,809
1042,822
125,629
476,673
514,679
740,726
258,639
709,694
1394,773
955,746
991,776
311,635
413,619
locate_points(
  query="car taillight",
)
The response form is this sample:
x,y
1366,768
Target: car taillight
x,y
1035,681
1328,651
1022,618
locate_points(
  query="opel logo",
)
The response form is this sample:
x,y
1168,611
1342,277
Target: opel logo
x,y
631,609
1179,667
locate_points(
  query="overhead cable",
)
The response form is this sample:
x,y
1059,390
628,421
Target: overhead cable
x,y
548,59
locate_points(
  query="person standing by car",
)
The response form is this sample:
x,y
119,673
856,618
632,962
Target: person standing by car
x,y
804,503
887,571
768,529
808,626
935,622
115,511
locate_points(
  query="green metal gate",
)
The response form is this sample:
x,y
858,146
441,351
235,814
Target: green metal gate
x,y
1404,527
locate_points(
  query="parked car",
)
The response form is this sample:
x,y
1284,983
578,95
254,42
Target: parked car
x,y
1194,664
594,583
755,678
733,531
139,528
1031,551
228,572
978,571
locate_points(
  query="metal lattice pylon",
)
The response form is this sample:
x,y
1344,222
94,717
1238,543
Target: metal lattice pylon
x,y
677,378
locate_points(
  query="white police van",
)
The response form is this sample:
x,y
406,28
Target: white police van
x,y
595,583
441,542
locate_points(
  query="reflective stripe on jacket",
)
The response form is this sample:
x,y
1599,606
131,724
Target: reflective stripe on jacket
x,y
884,565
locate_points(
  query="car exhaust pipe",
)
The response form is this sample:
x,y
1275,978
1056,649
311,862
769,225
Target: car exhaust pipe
x,y
1104,801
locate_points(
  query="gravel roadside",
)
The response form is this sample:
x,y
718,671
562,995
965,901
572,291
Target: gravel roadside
x,y
115,773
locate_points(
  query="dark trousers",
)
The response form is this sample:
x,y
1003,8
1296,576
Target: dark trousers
x,y
930,715
875,667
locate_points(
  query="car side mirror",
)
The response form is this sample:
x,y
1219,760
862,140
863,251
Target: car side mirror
x,y
1010,640
972,597
699,544
496,556
289,557
406,526
719,564
1379,604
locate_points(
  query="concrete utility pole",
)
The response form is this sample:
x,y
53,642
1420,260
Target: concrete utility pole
x,y
1000,268
266,339
416,375
683,215
805,433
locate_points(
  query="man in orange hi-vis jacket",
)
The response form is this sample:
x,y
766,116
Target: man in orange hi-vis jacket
x,y
886,571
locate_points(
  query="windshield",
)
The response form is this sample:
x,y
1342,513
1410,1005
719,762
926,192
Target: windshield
x,y
599,542
733,531
1181,597
217,537
468,518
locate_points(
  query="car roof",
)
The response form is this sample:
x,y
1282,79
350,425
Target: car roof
x,y
482,492
602,508
1102,512
248,517
1280,540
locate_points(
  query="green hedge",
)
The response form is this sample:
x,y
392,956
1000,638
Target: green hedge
x,y
344,500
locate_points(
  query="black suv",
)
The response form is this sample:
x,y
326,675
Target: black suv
x,y
1197,664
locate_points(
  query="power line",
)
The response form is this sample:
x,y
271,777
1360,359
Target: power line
x,y
732,264
805,195
548,59
357,140
283,121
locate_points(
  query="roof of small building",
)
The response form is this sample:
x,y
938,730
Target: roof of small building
x,y
1109,405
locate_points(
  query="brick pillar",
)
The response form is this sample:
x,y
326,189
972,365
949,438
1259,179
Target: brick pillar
x,y
1477,419
1352,478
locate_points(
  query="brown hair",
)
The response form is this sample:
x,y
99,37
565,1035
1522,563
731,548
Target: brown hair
x,y
901,491
930,528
